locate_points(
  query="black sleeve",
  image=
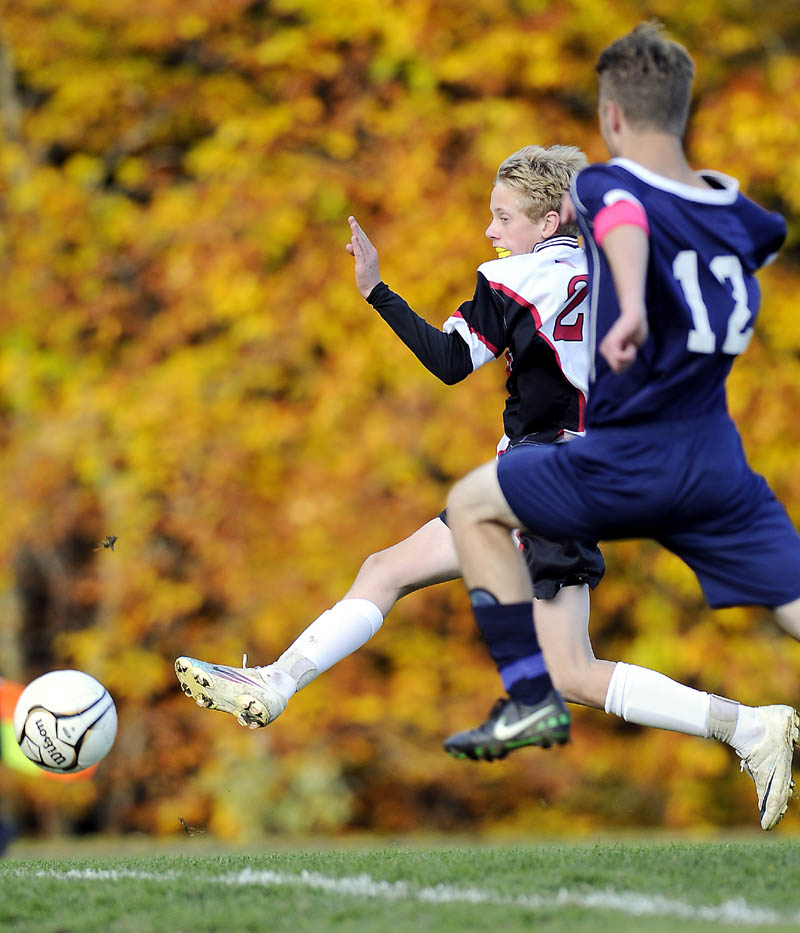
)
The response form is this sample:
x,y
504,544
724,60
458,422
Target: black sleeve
x,y
445,355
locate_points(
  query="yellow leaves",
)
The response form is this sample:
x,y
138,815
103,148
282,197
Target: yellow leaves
x,y
284,47
341,19
14,163
135,675
191,26
185,362
30,190
231,292
735,121
366,709
257,128
678,582
131,172
339,144
515,52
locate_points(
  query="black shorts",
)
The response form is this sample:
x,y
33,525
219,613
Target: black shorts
x,y
556,562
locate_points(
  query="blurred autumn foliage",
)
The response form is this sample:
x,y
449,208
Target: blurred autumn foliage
x,y
185,363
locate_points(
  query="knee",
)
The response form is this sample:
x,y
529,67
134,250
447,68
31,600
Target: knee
x,y
459,499
378,570
788,617
474,497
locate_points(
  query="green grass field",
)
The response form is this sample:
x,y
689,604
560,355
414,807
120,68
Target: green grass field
x,y
623,886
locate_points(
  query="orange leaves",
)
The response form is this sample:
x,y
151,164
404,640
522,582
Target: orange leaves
x,y
185,362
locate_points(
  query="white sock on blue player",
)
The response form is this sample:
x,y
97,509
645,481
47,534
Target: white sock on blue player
x,y
648,698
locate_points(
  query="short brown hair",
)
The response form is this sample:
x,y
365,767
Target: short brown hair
x,y
541,176
650,77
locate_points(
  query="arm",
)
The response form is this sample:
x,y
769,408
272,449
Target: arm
x,y
618,223
626,248
445,355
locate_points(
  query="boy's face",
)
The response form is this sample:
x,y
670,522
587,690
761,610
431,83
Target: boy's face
x,y
511,228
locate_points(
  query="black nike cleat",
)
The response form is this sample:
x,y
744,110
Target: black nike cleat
x,y
513,725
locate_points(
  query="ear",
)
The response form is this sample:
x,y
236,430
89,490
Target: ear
x,y
550,223
611,115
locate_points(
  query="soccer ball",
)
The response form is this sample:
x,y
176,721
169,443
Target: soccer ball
x,y
65,721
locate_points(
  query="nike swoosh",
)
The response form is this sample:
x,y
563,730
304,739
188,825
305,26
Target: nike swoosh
x,y
766,795
502,732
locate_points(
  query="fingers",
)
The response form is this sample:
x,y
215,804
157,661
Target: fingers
x,y
362,248
355,229
359,241
625,359
365,255
354,246
567,214
358,233
619,356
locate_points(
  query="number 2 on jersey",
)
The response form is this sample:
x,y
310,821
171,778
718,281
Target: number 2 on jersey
x,y
701,337
576,292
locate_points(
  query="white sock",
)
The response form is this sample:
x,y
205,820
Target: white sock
x,y
339,631
749,730
650,699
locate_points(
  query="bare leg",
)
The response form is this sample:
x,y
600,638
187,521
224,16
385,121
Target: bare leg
x,y
481,522
257,696
763,737
426,557
501,596
480,519
562,625
788,617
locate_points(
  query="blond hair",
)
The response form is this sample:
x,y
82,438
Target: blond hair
x,y
541,176
649,77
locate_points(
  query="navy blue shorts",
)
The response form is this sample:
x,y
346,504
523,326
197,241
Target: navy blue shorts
x,y
685,484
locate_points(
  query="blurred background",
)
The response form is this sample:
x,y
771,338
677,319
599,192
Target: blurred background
x,y
185,363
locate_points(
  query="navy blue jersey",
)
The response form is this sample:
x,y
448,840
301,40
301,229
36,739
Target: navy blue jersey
x,y
701,294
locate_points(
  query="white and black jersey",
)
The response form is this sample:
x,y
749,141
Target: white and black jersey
x,y
530,306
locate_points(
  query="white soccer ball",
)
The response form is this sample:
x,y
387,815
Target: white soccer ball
x,y
65,721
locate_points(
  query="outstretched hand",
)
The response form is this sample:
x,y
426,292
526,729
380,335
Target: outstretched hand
x,y
366,258
621,343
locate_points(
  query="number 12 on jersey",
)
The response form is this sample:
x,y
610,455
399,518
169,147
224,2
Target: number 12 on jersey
x,y
701,337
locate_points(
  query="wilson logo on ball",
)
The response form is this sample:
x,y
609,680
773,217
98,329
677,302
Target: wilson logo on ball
x,y
65,721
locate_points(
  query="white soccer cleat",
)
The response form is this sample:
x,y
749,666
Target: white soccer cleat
x,y
770,762
241,691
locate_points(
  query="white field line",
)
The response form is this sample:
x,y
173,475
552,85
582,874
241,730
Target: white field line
x,y
733,912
